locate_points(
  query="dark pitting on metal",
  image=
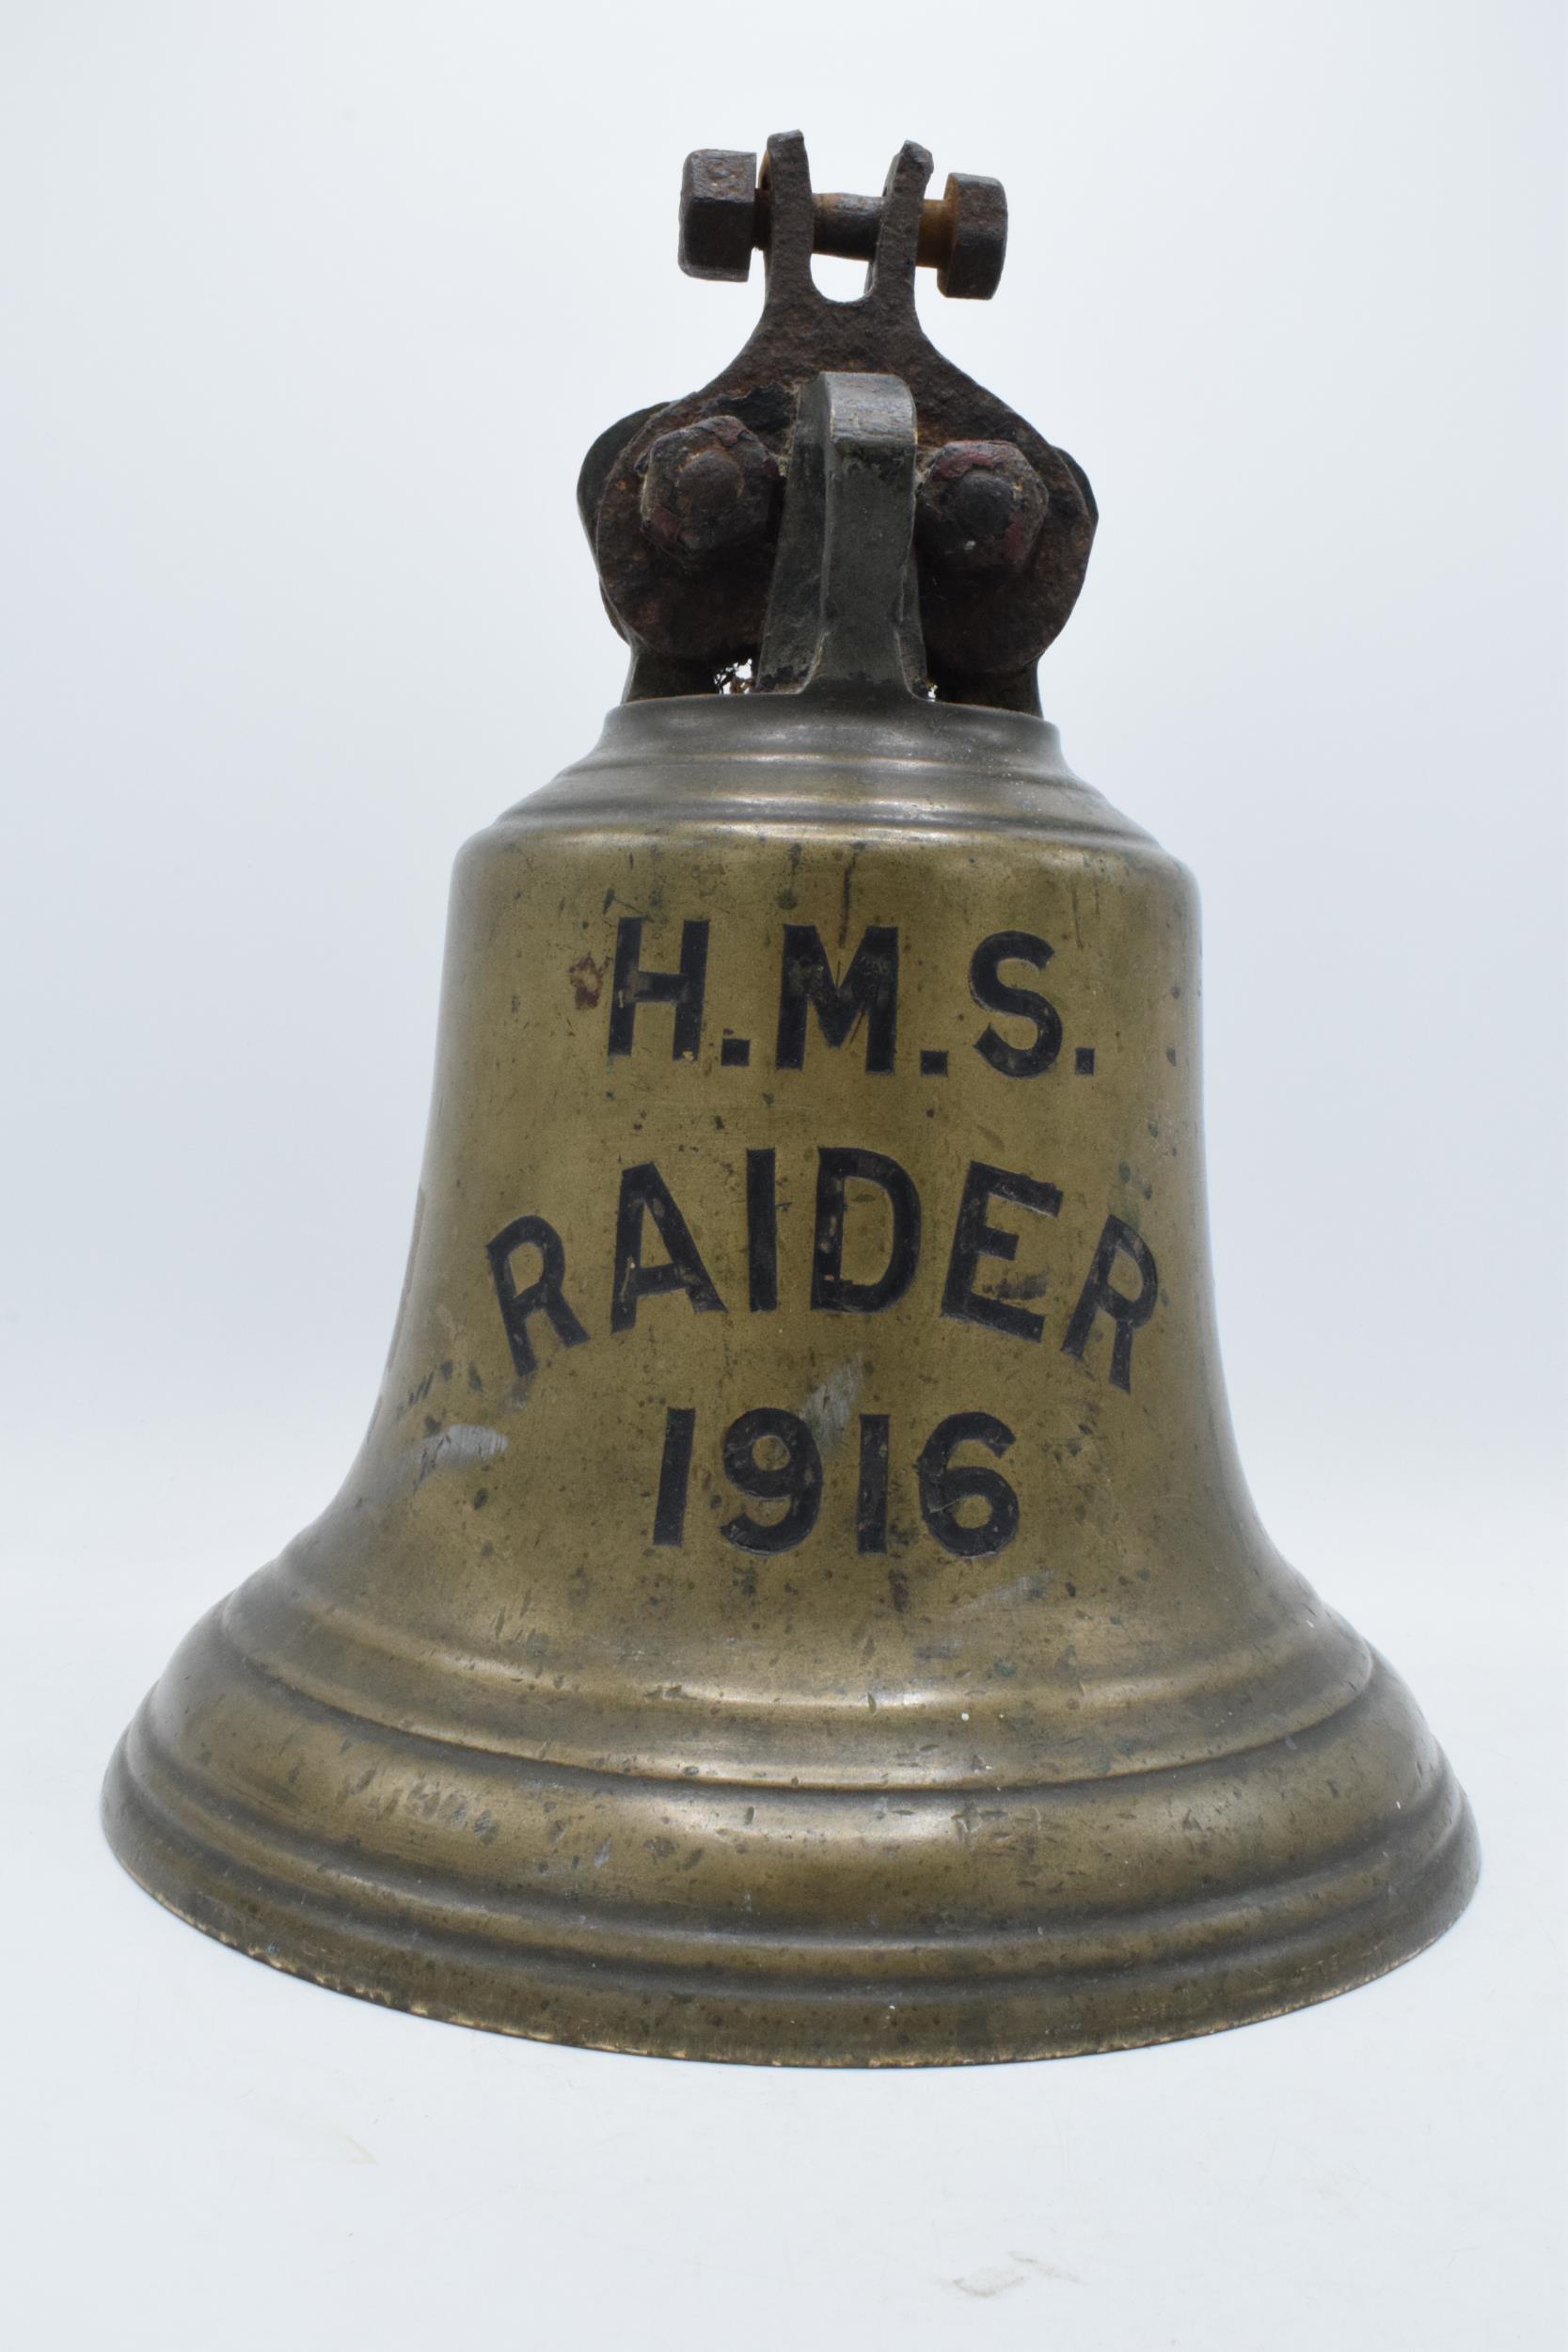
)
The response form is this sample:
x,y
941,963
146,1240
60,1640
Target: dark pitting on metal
x,y
691,624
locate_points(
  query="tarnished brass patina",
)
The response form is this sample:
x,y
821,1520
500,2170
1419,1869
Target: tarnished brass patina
x,y
798,1601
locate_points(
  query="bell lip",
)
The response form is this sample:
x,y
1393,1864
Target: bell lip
x,y
1305,1948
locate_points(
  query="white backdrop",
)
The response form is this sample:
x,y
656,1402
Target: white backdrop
x,y
311,307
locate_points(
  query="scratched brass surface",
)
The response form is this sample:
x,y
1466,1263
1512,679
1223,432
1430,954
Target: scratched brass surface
x,y
478,1746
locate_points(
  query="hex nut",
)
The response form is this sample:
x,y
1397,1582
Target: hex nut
x,y
976,209
981,508
719,202
707,488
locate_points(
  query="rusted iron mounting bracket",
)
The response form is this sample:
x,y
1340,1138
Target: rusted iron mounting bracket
x,y
683,502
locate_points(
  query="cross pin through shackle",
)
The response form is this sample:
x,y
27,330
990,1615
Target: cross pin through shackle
x,y
726,215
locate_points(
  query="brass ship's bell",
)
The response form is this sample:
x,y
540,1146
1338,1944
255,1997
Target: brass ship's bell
x,y
798,1599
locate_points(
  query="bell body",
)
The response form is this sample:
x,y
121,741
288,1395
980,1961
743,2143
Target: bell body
x,y
798,1599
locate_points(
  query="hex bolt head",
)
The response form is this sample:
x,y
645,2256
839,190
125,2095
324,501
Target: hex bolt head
x,y
981,508
708,489
719,202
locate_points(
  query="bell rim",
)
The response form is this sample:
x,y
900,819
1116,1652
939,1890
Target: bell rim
x,y
1307,1948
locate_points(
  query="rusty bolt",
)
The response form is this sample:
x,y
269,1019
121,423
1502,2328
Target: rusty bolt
x,y
707,488
981,508
719,204
724,214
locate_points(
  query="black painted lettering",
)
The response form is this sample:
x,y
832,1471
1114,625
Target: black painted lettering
x,y
831,1289
644,1192
871,1494
945,1485
797,1480
762,1234
683,989
1097,1296
675,1474
870,986
990,991
974,1239
542,1296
